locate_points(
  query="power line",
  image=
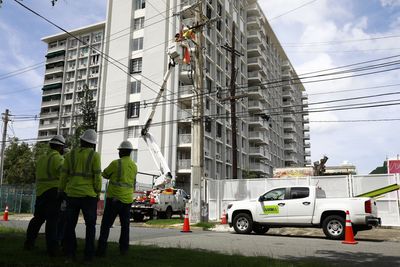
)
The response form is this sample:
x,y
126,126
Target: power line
x,y
294,9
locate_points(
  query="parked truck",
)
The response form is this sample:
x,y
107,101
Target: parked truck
x,y
160,204
302,206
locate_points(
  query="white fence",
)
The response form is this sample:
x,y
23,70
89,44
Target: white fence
x,y
220,192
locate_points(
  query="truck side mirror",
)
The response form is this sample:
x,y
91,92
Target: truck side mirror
x,y
261,199
187,197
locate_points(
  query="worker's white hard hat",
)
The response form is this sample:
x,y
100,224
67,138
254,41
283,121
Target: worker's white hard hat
x,y
125,145
57,140
89,136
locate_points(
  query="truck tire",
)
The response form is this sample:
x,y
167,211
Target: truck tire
x,y
334,226
243,223
138,217
168,212
260,229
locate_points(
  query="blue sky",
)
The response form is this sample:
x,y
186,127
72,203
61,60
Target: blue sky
x,y
366,144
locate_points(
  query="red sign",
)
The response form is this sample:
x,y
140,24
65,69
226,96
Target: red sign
x,y
393,166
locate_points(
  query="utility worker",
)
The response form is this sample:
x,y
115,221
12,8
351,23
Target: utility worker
x,y
47,205
81,182
121,174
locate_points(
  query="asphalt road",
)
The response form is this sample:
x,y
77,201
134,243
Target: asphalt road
x,y
366,253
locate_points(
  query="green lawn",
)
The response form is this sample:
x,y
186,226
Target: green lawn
x,y
12,254
164,222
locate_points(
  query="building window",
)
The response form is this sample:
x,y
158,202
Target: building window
x,y
94,60
133,110
135,87
134,155
138,24
137,44
136,65
97,37
219,130
140,4
134,132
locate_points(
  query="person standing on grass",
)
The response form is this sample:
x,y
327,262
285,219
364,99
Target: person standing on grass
x,y
121,174
81,182
47,205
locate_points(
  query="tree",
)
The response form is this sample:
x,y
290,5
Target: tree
x,y
380,169
19,166
86,118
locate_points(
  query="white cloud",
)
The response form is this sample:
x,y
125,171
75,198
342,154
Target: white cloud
x,y
390,3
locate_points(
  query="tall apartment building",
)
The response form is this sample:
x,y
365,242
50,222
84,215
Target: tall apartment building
x,y
137,35
69,66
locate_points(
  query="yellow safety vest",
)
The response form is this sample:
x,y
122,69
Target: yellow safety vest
x,y
122,175
48,171
81,173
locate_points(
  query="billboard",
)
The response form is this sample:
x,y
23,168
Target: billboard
x,y
293,172
393,166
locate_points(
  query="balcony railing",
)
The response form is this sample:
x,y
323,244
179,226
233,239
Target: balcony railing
x,y
184,164
185,139
51,92
51,81
184,114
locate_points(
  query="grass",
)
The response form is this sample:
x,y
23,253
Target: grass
x,y
205,225
164,222
12,254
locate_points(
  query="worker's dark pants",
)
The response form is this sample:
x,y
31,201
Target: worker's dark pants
x,y
88,205
47,208
113,208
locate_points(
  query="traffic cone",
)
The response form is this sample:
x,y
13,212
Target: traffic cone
x,y
223,218
186,225
349,236
5,215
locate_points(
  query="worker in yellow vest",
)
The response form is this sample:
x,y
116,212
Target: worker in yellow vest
x,y
81,182
47,206
121,174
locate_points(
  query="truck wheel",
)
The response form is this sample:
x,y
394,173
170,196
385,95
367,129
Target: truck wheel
x,y
138,217
260,229
243,223
333,227
168,213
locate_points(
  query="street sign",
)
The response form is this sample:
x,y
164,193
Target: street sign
x,y
393,166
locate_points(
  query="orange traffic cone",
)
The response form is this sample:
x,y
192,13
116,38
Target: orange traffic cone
x,y
223,218
349,236
5,215
186,225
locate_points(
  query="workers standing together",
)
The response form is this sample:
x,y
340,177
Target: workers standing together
x,y
121,174
76,180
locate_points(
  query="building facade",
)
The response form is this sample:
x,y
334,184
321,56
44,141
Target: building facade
x,y
272,130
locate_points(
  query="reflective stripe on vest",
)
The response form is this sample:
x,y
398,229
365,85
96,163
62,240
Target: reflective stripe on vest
x,y
119,170
86,173
119,176
121,184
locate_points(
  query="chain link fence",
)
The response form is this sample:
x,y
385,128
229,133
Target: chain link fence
x,y
18,198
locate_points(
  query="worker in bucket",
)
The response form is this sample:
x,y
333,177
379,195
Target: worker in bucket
x,y
81,182
47,204
121,174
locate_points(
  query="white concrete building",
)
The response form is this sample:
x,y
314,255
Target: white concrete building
x,y
137,35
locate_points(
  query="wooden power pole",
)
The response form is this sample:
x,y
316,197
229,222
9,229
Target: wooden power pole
x,y
3,143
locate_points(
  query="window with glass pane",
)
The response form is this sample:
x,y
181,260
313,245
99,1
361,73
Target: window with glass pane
x,y
133,110
137,44
140,4
134,132
135,87
136,65
138,23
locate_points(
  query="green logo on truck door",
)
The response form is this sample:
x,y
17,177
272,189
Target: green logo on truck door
x,y
274,209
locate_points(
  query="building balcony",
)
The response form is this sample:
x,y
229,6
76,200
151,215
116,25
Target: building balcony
x,y
306,119
185,115
51,92
50,103
306,136
256,121
258,167
253,10
49,115
255,105
287,94
305,103
253,23
290,137
184,165
289,117
307,153
290,147
48,126
185,140
254,77
291,159
306,128
185,91
52,81
289,126
254,64
255,93
254,37
54,70
258,137
258,152
307,145
254,50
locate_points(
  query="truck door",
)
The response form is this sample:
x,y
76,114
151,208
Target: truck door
x,y
300,205
272,207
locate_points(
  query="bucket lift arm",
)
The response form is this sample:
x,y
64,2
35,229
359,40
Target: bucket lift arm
x,y
165,179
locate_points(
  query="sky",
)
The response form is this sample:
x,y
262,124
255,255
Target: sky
x,y
316,35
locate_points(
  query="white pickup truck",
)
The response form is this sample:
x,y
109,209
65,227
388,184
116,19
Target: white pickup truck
x,y
302,206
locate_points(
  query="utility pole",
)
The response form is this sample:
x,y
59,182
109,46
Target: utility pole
x,y
234,53
197,126
3,144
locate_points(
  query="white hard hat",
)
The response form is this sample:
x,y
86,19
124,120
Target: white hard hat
x,y
57,140
89,136
126,145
